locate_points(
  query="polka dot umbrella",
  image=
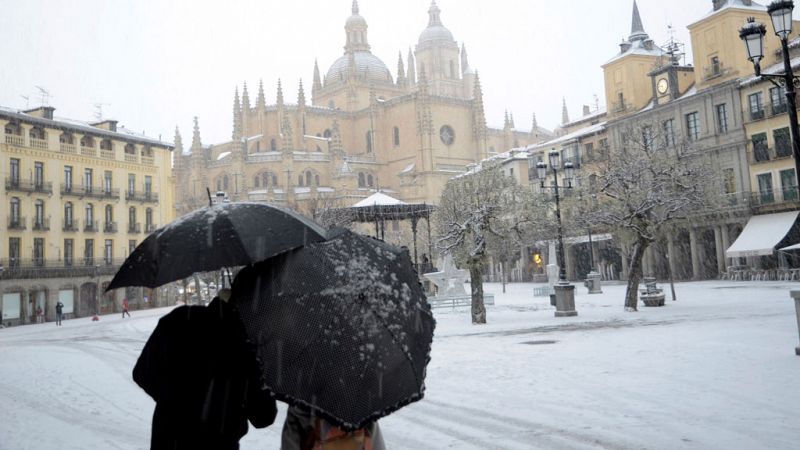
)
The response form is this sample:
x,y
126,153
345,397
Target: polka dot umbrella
x,y
341,327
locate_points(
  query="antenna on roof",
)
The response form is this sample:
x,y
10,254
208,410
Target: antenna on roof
x,y
45,95
27,101
98,110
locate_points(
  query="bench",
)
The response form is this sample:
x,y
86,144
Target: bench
x,y
455,301
543,291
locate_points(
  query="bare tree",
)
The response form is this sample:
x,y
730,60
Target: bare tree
x,y
647,183
470,214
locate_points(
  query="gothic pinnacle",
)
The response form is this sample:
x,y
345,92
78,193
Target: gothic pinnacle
x,y
301,95
279,97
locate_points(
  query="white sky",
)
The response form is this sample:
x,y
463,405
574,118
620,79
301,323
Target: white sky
x,y
156,64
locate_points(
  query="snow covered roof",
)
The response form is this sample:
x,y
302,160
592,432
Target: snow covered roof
x,y
223,155
409,168
253,138
638,48
586,131
731,4
775,69
378,199
81,126
593,115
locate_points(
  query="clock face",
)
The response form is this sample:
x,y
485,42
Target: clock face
x,y
662,86
447,135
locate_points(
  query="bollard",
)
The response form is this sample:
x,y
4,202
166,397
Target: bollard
x,y
796,297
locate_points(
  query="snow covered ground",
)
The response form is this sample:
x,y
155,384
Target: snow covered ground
x,y
716,369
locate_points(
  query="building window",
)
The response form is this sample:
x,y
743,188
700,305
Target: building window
x,y
716,68
38,252
89,212
447,135
131,246
130,149
777,96
109,216
783,142
69,251
369,142
88,252
68,216
756,102
729,181
370,182
87,180
765,193
722,118
132,217
106,144
66,138
669,132
148,185
225,183
327,133
38,219
588,150
148,219
87,141
108,254
362,180
14,172
273,146
309,177
14,247
15,212
38,175
396,136
693,126
131,184
67,178
788,184
760,148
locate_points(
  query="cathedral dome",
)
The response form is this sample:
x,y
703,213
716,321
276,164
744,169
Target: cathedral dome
x,y
366,64
436,32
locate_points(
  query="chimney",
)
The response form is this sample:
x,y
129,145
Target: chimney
x,y
586,110
43,112
108,125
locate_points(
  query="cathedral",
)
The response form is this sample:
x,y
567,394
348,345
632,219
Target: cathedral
x,y
363,131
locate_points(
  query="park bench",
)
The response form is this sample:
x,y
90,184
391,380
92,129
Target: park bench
x,y
455,301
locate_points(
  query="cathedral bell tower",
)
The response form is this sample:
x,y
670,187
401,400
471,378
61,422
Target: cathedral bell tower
x,y
438,55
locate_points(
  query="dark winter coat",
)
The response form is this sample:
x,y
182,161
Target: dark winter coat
x,y
205,380
59,307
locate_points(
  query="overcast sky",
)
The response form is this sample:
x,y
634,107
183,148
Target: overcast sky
x,y
155,64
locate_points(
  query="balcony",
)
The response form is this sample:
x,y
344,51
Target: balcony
x,y
40,224
68,148
16,223
134,228
88,151
761,154
39,143
71,226
91,227
89,191
107,154
140,196
150,227
110,227
770,197
757,115
148,160
67,267
12,139
779,108
31,187
131,158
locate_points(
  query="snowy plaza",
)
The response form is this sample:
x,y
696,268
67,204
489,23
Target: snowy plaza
x,y
716,369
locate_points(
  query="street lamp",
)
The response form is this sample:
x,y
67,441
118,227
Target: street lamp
x,y
752,34
565,292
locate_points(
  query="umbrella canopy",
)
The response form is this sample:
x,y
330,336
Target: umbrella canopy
x,y
225,235
341,327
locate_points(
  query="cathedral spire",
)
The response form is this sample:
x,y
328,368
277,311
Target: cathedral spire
x,y
564,113
356,30
434,14
535,125
355,7
411,78
637,29
317,81
301,95
511,121
279,97
261,102
401,70
245,99
237,116
197,144
178,141
506,123
479,115
464,60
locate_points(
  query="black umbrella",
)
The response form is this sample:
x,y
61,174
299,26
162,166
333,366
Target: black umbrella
x,y
341,327
225,235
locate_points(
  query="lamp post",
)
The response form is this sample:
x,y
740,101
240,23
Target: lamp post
x,y
752,34
565,292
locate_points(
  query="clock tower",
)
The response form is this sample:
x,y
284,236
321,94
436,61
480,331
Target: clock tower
x,y
671,78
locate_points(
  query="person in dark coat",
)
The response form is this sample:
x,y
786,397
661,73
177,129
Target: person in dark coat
x,y
59,312
201,371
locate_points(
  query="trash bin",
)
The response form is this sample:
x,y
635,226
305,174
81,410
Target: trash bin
x,y
552,299
594,283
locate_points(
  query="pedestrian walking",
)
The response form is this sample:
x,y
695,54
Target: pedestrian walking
x,y
203,375
39,314
59,312
125,308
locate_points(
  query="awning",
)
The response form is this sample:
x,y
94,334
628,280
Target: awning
x,y
791,247
763,233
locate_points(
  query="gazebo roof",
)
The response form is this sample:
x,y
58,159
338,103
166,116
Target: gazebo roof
x,y
379,199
